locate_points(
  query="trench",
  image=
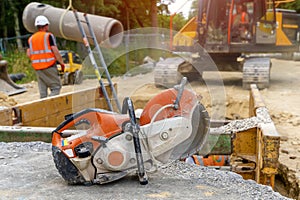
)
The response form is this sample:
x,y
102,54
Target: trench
x,y
286,181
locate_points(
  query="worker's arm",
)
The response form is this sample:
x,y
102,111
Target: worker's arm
x,y
58,57
57,54
55,50
28,53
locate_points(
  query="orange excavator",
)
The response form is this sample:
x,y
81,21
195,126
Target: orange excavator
x,y
239,35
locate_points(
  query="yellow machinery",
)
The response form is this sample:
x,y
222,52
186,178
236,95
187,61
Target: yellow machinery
x,y
72,73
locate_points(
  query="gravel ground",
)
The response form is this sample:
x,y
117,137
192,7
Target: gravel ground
x,y
28,172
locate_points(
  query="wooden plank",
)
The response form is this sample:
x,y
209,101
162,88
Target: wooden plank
x,y
268,140
6,117
45,107
244,143
259,154
255,101
50,112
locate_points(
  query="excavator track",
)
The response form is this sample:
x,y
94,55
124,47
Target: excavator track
x,y
169,72
256,71
166,72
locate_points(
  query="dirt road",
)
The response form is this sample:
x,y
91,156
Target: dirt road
x,y
282,100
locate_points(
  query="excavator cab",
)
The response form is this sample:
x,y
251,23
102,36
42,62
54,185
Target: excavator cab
x,y
241,22
223,27
241,26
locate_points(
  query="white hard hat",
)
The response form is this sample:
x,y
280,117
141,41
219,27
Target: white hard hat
x,y
41,21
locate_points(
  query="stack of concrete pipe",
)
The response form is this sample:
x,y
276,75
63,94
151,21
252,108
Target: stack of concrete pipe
x,y
108,31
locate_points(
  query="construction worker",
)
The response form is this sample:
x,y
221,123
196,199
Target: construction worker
x,y
241,17
240,24
44,54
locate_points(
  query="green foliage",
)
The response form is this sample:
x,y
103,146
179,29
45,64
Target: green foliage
x,y
7,23
295,5
18,62
116,64
109,8
194,9
178,21
136,13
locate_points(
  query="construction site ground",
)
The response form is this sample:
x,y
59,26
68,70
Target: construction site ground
x,y
29,171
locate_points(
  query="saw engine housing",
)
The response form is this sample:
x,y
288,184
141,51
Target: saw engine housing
x,y
102,146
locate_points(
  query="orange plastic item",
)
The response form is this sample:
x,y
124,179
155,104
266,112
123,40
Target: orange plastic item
x,y
211,160
96,120
187,102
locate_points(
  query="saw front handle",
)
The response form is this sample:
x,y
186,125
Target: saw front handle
x,y
135,129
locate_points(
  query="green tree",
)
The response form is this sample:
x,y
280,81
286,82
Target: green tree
x,y
143,13
194,9
16,23
10,18
295,5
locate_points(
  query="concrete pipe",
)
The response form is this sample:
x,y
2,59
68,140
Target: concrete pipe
x,y
108,31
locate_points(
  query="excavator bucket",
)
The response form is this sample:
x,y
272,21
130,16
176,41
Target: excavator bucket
x,y
7,86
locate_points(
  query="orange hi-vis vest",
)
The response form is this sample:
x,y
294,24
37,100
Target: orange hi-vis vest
x,y
41,55
243,18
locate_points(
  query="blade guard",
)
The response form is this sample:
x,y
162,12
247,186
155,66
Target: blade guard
x,y
190,108
168,97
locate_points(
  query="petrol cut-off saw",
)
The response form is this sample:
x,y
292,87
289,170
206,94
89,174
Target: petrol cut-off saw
x,y
101,146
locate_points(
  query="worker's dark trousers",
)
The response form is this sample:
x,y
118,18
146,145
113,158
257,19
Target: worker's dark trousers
x,y
48,78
